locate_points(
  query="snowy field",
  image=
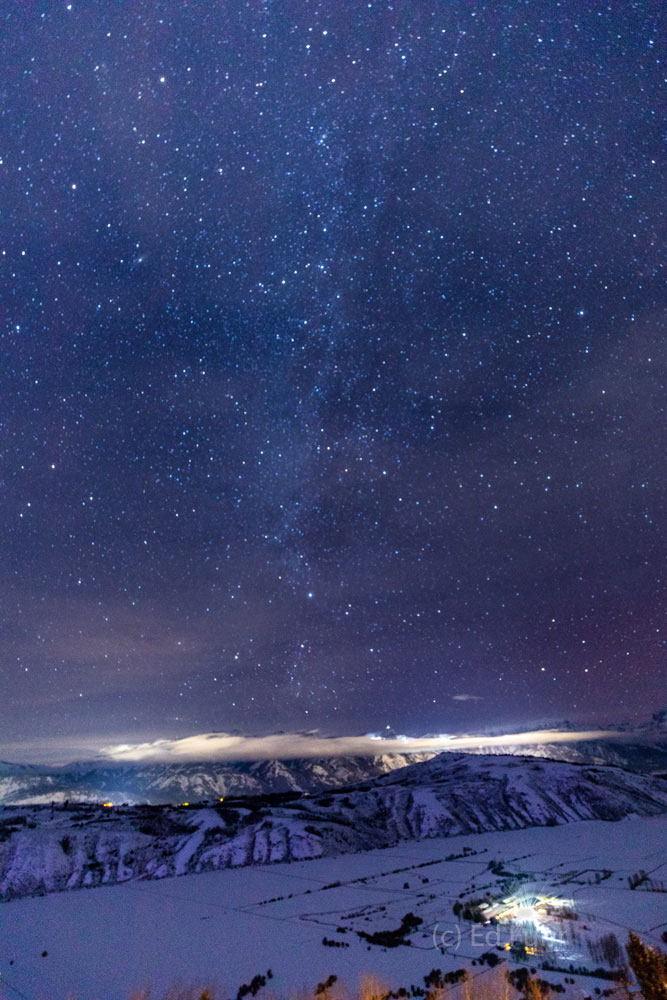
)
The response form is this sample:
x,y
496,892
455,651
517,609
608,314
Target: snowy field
x,y
222,928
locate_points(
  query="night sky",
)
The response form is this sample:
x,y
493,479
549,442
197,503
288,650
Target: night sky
x,y
333,366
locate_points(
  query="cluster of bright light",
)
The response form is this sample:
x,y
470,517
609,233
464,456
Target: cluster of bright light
x,y
529,908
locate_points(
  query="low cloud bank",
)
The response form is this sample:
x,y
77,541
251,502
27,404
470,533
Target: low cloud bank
x,y
283,746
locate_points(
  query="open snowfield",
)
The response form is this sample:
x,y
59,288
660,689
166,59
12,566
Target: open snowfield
x,y
224,927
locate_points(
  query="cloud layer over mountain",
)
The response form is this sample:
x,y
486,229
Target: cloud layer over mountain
x,y
222,746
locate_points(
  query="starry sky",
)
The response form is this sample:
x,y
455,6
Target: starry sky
x,y
332,367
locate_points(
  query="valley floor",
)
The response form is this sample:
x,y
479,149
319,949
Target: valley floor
x,y
222,928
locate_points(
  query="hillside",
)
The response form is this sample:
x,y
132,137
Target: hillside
x,y
647,756
47,850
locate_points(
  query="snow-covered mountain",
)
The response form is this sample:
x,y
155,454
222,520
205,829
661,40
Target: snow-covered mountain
x,y
47,850
646,756
160,783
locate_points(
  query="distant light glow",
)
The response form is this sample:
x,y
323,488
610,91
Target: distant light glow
x,y
223,746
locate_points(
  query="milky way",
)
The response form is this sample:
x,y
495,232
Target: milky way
x,y
333,365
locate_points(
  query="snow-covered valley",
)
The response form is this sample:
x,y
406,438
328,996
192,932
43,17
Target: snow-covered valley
x,y
432,866
222,928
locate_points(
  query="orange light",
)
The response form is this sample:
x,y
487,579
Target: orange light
x,y
107,805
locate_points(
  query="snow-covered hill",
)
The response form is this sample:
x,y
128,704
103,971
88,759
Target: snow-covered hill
x,y
160,783
46,850
645,756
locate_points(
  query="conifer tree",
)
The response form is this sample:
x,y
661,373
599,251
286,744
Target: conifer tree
x,y
650,968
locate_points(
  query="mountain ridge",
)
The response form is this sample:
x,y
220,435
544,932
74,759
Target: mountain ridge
x,y
44,850
172,782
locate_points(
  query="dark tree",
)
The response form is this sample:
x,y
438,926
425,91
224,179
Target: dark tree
x,y
650,968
